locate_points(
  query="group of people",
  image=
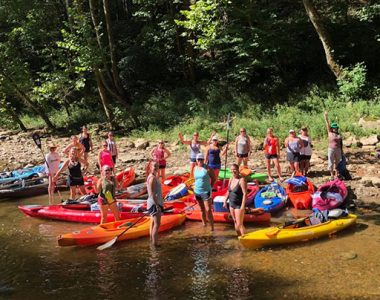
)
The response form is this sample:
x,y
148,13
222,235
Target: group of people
x,y
204,168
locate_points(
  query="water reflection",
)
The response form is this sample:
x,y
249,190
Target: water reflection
x,y
153,279
238,279
107,264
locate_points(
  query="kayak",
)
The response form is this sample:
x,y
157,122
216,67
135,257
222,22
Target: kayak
x,y
106,232
278,236
330,195
271,198
25,188
90,184
300,195
133,191
172,182
85,215
261,177
26,173
225,217
126,177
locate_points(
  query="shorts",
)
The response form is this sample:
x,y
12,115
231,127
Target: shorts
x,y
334,157
293,156
103,201
235,204
75,181
216,166
114,158
162,164
193,159
242,155
153,210
203,196
305,157
271,156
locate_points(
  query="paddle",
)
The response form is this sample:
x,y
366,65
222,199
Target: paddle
x,y
225,160
37,140
276,230
113,241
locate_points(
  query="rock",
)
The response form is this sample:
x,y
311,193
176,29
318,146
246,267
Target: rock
x,y
141,144
369,148
366,181
369,141
376,181
369,124
130,144
349,141
348,255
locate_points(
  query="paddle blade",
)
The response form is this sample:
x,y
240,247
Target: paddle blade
x,y
272,233
36,139
108,244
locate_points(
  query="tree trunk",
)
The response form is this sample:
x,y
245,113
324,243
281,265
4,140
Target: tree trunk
x,y
323,36
9,109
105,101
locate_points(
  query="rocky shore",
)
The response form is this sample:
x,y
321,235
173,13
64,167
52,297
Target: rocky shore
x,y
18,150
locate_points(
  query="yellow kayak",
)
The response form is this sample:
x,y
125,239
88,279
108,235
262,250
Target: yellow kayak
x,y
277,235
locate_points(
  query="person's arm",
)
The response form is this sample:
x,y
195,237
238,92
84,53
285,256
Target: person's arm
x,y
67,149
236,146
278,148
64,166
152,153
99,183
224,151
286,143
227,196
300,143
90,140
206,155
152,189
82,149
243,185
85,163
249,145
327,122
167,153
210,138
99,160
117,151
180,136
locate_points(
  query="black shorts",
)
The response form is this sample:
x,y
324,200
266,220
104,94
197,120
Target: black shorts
x,y
242,155
305,157
193,160
114,158
203,197
235,204
270,156
153,210
74,181
293,156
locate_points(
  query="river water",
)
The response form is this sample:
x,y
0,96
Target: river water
x,y
191,263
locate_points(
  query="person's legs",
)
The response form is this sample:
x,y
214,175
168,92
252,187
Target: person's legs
x,y
115,210
239,215
208,209
278,168
238,160
203,210
307,166
156,220
267,164
51,189
216,172
73,192
82,190
103,213
330,160
245,161
232,212
162,174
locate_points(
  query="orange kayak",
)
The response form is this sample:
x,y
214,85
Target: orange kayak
x,y
126,177
300,196
106,232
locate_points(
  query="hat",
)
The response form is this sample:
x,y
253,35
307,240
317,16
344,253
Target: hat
x,y
200,156
52,145
215,137
291,131
334,125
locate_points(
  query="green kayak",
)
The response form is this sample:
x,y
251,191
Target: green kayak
x,y
261,177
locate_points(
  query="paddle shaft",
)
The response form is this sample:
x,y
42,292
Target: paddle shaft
x,y
225,160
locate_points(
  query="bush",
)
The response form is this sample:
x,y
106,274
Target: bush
x,y
352,85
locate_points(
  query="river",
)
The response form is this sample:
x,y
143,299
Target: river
x,y
192,263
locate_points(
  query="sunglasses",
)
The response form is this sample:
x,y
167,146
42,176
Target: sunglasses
x,y
104,145
107,170
242,130
161,142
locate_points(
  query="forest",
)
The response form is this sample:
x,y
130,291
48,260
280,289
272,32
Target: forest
x,y
154,64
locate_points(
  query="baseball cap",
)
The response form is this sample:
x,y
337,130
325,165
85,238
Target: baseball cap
x,y
200,156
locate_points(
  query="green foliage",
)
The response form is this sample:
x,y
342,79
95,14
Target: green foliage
x,y
352,84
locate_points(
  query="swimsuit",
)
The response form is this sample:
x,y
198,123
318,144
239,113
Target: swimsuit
x,y
85,141
214,161
75,174
235,195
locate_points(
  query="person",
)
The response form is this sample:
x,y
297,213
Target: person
x,y
242,147
335,145
272,152
74,144
75,178
86,142
160,154
112,148
195,148
237,196
293,147
306,151
106,198
214,154
105,157
155,201
204,179
52,161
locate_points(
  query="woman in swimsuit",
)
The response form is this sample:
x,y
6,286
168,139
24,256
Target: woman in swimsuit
x,y
195,148
242,147
105,157
106,198
74,144
306,151
214,154
272,152
86,142
75,178
160,154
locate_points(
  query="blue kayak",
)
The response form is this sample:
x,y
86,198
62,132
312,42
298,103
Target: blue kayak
x,y
271,198
21,174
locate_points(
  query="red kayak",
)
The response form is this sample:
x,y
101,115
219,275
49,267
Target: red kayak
x,y
225,217
300,196
173,181
126,177
58,212
90,184
330,195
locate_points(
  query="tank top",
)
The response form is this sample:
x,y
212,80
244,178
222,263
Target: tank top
x,y
111,146
270,146
158,192
293,146
242,145
236,194
75,169
202,180
108,185
306,140
85,141
214,157
106,159
158,155
195,148
335,140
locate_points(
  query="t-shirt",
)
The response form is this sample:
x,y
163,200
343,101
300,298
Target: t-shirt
x,y
306,150
53,160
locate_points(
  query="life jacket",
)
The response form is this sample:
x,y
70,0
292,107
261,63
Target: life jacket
x,y
270,146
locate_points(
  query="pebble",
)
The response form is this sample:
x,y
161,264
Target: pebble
x,y
348,255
